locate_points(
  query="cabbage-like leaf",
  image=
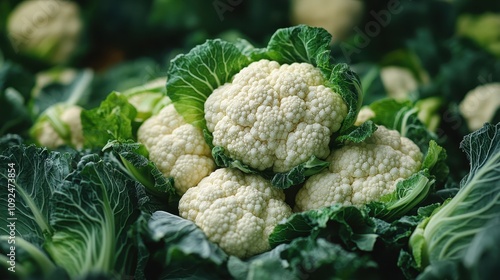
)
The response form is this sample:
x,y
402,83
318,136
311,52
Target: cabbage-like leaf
x,y
348,226
90,214
305,258
446,235
132,159
72,212
282,180
112,120
28,179
192,77
175,248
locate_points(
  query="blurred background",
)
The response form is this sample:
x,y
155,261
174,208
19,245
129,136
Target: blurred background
x,y
431,51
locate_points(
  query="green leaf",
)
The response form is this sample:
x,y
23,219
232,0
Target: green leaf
x,y
305,258
178,249
284,180
348,226
298,174
320,259
148,99
29,177
112,120
192,77
301,44
132,159
447,234
358,134
36,173
91,212
346,82
435,161
403,117
222,160
408,194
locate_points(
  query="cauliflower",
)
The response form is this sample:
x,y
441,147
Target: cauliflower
x,y
398,81
275,116
59,125
362,172
177,148
47,30
480,105
237,211
338,17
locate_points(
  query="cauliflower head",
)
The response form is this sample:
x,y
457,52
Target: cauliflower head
x,y
399,82
47,30
360,173
177,148
338,17
275,116
59,125
480,105
237,211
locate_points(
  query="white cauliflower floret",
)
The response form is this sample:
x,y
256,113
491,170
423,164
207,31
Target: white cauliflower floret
x,y
362,172
480,105
177,148
63,127
237,211
275,116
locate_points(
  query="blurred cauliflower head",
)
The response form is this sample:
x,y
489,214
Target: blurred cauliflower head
x,y
275,116
59,125
177,148
46,30
360,173
237,211
480,105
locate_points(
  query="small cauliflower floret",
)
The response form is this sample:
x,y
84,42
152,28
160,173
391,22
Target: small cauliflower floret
x,y
275,116
237,211
177,148
59,125
480,105
360,173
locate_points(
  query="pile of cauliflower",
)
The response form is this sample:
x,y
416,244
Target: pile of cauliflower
x,y
271,117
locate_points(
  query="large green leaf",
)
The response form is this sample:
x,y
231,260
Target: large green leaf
x,y
90,214
132,159
192,77
175,248
348,226
112,120
305,258
447,234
